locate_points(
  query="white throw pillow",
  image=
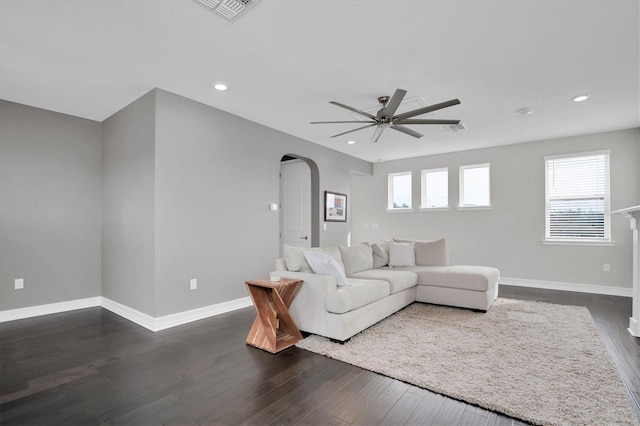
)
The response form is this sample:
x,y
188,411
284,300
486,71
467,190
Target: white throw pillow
x,y
295,261
401,254
356,258
325,264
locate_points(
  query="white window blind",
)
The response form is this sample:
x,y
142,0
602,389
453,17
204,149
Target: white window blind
x,y
577,197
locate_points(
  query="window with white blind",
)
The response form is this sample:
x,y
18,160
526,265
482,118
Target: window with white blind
x,y
435,189
577,197
399,193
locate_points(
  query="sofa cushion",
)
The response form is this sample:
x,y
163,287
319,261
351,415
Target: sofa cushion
x,y
398,279
429,253
296,262
358,294
401,254
324,264
356,258
476,278
380,255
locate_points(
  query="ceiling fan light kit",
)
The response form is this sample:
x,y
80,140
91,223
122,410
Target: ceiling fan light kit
x,y
385,117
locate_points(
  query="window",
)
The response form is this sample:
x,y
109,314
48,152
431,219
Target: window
x,y
435,189
475,186
577,197
399,191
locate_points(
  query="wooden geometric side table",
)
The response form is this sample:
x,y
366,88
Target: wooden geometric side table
x,y
273,329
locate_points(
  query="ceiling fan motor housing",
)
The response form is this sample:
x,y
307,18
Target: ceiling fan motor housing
x,y
383,100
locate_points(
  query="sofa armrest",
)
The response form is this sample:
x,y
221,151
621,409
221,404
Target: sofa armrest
x,y
307,308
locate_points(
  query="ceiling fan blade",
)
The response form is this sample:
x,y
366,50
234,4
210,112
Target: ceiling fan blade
x,y
328,122
354,130
377,134
427,109
426,121
406,130
356,110
395,101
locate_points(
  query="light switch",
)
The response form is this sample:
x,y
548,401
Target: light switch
x,y
18,283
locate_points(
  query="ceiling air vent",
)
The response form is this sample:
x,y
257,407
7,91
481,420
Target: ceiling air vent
x,y
454,128
229,9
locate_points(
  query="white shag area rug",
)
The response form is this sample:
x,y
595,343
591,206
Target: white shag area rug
x,y
539,362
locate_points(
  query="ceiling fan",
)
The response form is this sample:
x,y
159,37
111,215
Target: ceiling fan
x,y
385,117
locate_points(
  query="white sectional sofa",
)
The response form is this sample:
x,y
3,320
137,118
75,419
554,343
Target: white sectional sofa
x,y
348,289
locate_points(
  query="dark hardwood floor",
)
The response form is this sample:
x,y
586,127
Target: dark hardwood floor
x,y
93,367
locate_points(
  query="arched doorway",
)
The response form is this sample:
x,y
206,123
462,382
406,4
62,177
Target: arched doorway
x,y
299,202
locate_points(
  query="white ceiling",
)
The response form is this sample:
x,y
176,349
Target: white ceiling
x,y
286,59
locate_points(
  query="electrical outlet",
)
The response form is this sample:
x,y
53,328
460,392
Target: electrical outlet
x,y
18,283
193,284
606,267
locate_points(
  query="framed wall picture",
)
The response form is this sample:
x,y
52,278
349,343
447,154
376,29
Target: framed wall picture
x,y
335,207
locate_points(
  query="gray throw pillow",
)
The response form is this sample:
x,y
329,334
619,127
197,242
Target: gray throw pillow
x,y
430,253
356,258
380,255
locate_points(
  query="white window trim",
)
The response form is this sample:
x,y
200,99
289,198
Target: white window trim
x,y
435,209
461,188
572,242
489,207
390,192
423,189
400,210
607,241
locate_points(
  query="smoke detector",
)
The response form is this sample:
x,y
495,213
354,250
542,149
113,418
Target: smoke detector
x,y
454,127
229,9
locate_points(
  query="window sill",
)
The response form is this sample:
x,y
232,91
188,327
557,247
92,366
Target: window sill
x,y
435,209
399,210
475,207
579,243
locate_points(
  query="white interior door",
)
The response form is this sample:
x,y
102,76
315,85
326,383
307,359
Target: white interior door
x,y
295,204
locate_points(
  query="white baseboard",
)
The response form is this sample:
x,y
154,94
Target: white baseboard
x,y
50,308
180,318
564,286
634,327
140,318
173,320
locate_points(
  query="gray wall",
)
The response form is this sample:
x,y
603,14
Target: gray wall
x,y
163,191
49,206
509,235
215,175
128,188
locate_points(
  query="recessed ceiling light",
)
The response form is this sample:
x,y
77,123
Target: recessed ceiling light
x,y
220,86
351,142
581,98
523,111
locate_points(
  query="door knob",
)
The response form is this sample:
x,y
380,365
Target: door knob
x,y
304,238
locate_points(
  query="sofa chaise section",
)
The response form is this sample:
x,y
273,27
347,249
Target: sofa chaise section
x,y
362,285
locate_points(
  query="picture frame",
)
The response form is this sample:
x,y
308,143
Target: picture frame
x,y
335,207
